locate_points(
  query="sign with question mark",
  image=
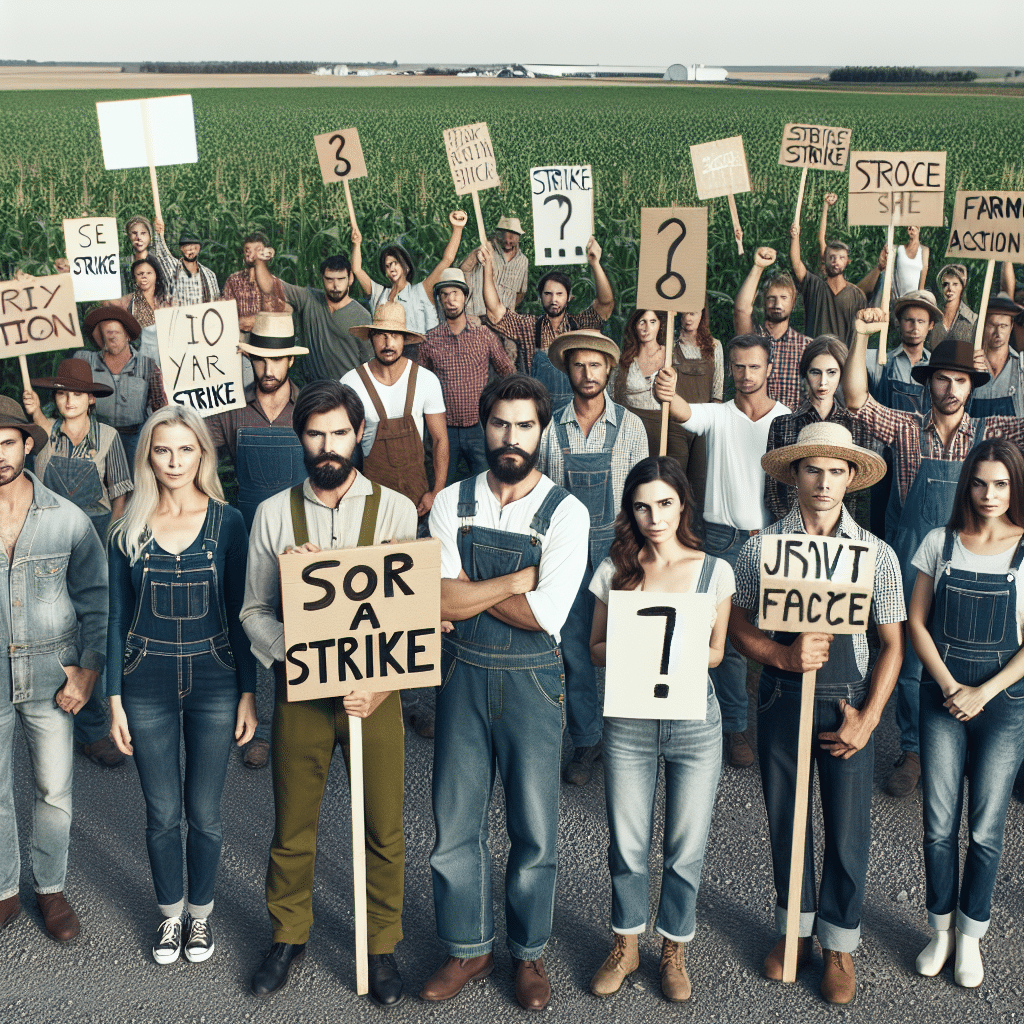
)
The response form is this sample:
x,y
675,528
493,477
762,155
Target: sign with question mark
x,y
340,155
657,664
672,275
563,214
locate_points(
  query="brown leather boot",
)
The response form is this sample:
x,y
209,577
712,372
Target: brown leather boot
x,y
533,990
738,751
453,975
621,962
675,983
773,962
838,984
58,915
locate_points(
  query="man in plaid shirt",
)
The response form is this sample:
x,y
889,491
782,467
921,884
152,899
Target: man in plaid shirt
x,y
189,282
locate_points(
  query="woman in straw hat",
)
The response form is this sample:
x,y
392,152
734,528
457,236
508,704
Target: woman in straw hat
x,y
966,615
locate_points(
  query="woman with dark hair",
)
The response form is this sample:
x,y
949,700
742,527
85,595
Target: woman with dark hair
x,y
149,294
965,624
657,549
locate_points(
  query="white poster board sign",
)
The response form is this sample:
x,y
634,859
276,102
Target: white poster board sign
x,y
563,213
92,250
147,133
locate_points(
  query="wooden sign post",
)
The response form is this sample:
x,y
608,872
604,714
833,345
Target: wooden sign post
x,y
341,159
720,169
563,214
987,226
37,314
811,584
364,618
813,145
92,252
471,160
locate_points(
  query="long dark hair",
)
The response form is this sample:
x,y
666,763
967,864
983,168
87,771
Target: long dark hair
x,y
995,449
705,340
160,288
631,347
629,541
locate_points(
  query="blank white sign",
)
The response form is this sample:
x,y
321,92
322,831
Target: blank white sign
x,y
170,138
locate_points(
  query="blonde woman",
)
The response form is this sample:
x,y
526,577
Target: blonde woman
x,y
176,652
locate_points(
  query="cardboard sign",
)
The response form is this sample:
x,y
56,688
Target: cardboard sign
x,y
987,226
904,188
365,618
38,316
563,213
815,584
815,146
657,655
471,158
199,358
340,155
720,168
151,132
673,259
91,246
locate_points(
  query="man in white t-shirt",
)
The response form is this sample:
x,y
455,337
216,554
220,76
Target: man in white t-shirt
x,y
734,510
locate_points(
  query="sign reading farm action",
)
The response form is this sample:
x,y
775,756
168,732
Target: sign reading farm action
x,y
908,188
987,226
150,132
655,646
340,155
199,356
815,146
563,213
38,315
471,158
815,584
720,168
365,618
91,246
673,259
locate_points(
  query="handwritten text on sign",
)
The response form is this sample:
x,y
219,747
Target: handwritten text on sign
x,y
673,259
471,158
340,155
365,618
199,357
38,316
815,146
91,247
657,655
987,226
563,213
906,187
720,168
816,584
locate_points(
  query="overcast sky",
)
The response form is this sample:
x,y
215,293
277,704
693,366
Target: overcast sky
x,y
646,32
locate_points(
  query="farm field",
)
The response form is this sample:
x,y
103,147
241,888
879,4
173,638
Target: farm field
x,y
258,170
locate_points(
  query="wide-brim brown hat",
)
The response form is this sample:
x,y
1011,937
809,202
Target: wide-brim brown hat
x,y
954,352
592,341
921,297
73,375
111,312
12,415
825,441
510,224
388,316
272,336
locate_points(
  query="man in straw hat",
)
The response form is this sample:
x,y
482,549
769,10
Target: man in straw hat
x,y
588,448
824,465
927,456
511,270
1003,395
53,582
189,282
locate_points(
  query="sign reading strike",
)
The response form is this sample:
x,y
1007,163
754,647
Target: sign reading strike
x,y
816,146
91,246
987,226
38,315
199,356
673,259
655,642
340,155
563,213
364,618
901,188
815,584
150,132
720,168
471,158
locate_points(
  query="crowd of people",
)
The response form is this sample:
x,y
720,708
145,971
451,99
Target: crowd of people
x,y
529,446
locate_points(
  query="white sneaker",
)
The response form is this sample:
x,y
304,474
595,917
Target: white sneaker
x,y
199,946
167,947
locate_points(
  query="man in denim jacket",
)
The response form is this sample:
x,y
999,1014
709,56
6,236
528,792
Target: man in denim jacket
x,y
53,618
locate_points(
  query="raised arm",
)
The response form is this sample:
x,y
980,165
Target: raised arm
x,y
1008,279
855,372
264,278
867,283
830,201
33,409
457,219
604,303
357,262
743,307
492,303
799,269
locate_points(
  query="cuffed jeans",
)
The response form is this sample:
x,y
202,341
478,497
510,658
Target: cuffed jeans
x,y
469,443
845,804
693,765
584,722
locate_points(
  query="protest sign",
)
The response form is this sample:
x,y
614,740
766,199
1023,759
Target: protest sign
x,y
199,355
92,251
471,160
563,213
897,188
341,159
672,274
813,145
657,655
37,315
720,169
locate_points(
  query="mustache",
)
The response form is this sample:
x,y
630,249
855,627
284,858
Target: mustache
x,y
509,449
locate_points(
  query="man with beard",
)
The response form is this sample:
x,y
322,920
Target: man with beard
x,y
778,297
326,316
336,507
513,551
830,303
734,508
241,287
188,281
589,448
460,353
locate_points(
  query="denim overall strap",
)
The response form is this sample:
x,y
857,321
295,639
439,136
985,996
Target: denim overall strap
x,y
267,460
77,479
300,526
707,568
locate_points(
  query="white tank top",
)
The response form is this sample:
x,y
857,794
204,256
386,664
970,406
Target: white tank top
x,y
907,272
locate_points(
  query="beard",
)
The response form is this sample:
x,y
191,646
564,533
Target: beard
x,y
268,385
831,271
327,471
450,315
775,315
511,472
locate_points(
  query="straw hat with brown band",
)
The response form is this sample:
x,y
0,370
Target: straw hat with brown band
x,y
73,375
590,340
388,316
828,441
272,336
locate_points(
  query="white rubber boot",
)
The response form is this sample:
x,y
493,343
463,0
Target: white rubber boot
x,y
935,955
968,971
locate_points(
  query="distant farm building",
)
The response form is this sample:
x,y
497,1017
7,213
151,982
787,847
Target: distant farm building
x,y
675,73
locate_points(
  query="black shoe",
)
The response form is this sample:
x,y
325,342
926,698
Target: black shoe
x,y
385,981
273,972
578,771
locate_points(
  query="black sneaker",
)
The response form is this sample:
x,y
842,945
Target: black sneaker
x,y
581,767
199,945
167,947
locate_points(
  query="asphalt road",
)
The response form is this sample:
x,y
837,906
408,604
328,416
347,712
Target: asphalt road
x,y
107,974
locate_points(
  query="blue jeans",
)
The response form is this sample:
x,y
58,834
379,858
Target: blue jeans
x,y
48,733
469,443
693,764
730,678
845,805
583,713
995,741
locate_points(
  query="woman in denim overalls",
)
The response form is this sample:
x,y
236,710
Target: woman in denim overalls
x,y
965,624
177,654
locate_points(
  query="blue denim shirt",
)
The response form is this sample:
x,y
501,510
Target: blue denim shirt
x,y
53,611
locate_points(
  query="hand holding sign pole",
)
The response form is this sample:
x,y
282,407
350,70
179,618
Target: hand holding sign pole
x,y
813,145
720,169
341,159
471,160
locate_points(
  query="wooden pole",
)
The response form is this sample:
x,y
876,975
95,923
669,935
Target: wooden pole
x,y
796,860
800,196
351,208
736,222
355,774
890,259
986,291
147,133
670,329
23,363
479,217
